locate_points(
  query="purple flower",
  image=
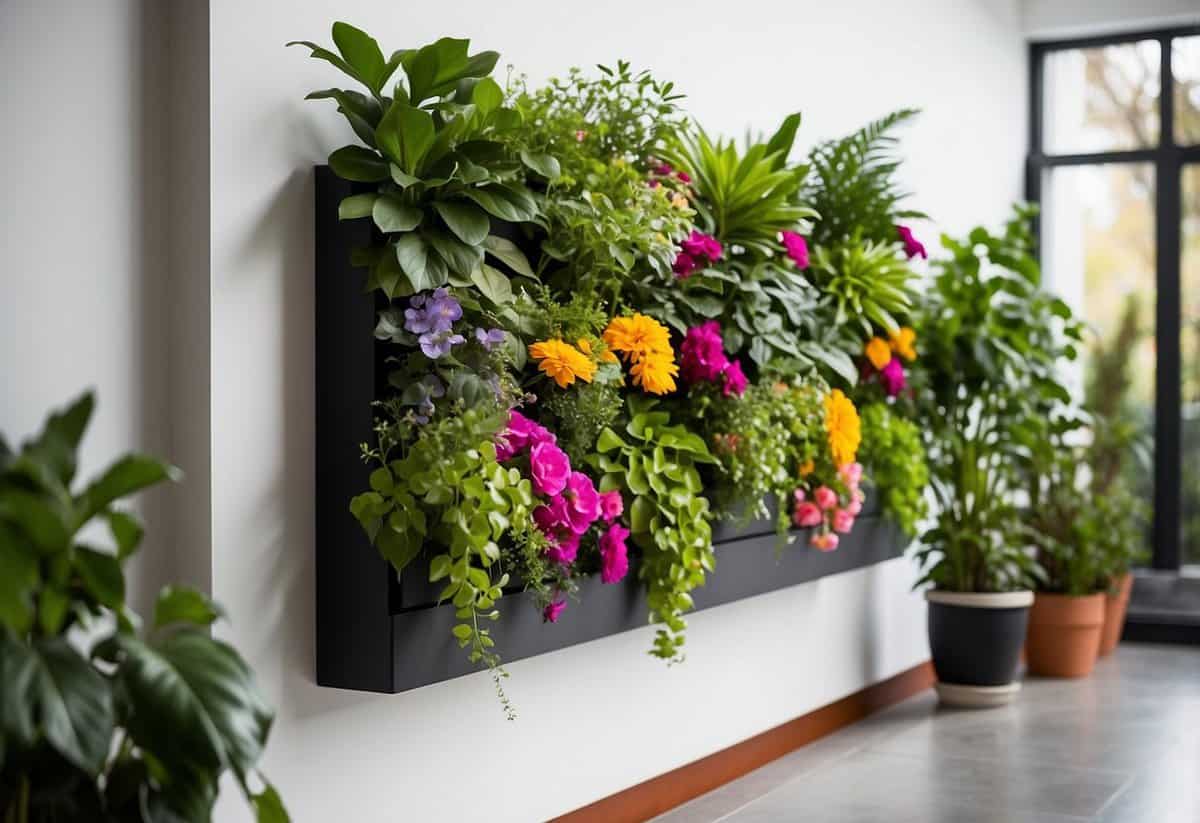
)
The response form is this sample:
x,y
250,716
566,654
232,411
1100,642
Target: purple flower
x,y
733,380
702,355
912,246
797,248
891,377
489,338
432,313
614,555
436,345
430,387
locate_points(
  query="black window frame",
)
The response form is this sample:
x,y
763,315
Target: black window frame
x,y
1169,160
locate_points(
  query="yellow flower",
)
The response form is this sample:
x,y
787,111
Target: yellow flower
x,y
679,201
842,427
562,362
902,341
878,352
807,468
636,336
655,373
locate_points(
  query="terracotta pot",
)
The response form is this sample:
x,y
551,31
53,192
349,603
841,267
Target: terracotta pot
x,y
1115,604
1064,634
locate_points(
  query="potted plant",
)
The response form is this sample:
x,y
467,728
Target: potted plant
x,y
991,340
100,720
1120,542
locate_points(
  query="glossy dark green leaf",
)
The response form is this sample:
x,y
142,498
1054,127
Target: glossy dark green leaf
x,y
487,96
507,253
358,164
433,70
129,474
356,206
493,284
544,164
393,215
179,604
126,530
101,575
507,203
405,135
19,577
469,222
361,51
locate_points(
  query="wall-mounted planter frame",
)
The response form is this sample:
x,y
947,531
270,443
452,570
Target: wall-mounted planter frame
x,y
378,632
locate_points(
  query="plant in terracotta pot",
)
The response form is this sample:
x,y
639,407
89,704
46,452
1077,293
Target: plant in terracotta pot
x,y
991,339
1120,542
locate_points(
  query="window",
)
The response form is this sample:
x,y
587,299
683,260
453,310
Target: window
x,y
1115,162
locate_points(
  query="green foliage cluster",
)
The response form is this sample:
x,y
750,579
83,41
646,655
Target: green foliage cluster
x,y
894,457
440,148
441,482
991,399
99,720
866,283
656,465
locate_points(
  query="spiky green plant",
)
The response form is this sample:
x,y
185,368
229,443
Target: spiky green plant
x,y
867,282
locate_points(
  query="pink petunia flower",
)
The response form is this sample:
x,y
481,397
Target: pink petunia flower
x,y
683,177
611,505
583,502
549,468
891,377
702,354
733,379
825,497
564,549
912,246
808,515
797,248
552,611
843,521
684,265
702,246
614,555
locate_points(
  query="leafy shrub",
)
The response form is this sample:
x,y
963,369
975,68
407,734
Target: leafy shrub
x,y
894,457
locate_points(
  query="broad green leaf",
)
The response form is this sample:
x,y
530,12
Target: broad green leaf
x,y
459,258
413,256
268,806
196,705
356,206
640,514
362,52
466,220
507,253
19,576
129,474
493,284
392,215
433,70
361,111
513,205
487,96
608,441
321,53
405,135
358,164
398,548
101,575
544,164
179,604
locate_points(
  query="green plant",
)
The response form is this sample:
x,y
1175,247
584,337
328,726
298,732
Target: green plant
x,y
439,149
656,465
1063,527
894,457
852,185
99,721
867,283
745,198
441,483
1117,520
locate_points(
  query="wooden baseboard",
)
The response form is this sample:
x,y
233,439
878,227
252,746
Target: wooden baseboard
x,y
676,787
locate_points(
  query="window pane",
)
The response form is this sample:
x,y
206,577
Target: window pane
x,y
1185,65
1099,255
1189,243
1102,99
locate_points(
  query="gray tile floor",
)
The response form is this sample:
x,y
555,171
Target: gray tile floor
x,y
1122,746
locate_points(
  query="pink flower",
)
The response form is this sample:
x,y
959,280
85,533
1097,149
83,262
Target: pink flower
x,y
855,507
583,502
554,520
807,515
800,495
549,468
580,135
684,265
563,549
734,381
843,521
851,474
611,505
683,177
520,433
825,497
614,555
702,246
553,610
891,377
662,169
912,246
826,542
797,248
702,354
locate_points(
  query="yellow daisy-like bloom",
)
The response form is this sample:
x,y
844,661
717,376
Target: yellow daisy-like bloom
x,y
655,373
842,427
878,352
562,362
902,341
636,336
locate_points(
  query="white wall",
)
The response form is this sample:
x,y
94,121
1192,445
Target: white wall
x,y
600,717
1050,19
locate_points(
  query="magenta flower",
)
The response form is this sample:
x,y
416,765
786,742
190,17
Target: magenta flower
x,y
702,354
614,555
684,265
583,502
520,433
554,521
563,549
843,521
553,610
825,542
611,505
549,468
807,515
683,177
797,248
825,497
702,246
912,246
733,380
891,377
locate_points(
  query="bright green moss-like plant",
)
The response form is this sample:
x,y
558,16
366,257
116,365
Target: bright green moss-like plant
x,y
894,457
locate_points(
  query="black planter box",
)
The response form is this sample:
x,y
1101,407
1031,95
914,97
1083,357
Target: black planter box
x,y
383,632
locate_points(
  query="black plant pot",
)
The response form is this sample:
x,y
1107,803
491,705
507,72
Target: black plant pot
x,y
975,640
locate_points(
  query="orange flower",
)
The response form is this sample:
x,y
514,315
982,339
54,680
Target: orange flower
x,y
878,352
655,373
636,336
562,362
842,427
807,468
902,341
605,356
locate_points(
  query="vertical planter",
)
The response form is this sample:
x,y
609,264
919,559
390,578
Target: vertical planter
x,y
1064,634
975,641
1116,604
